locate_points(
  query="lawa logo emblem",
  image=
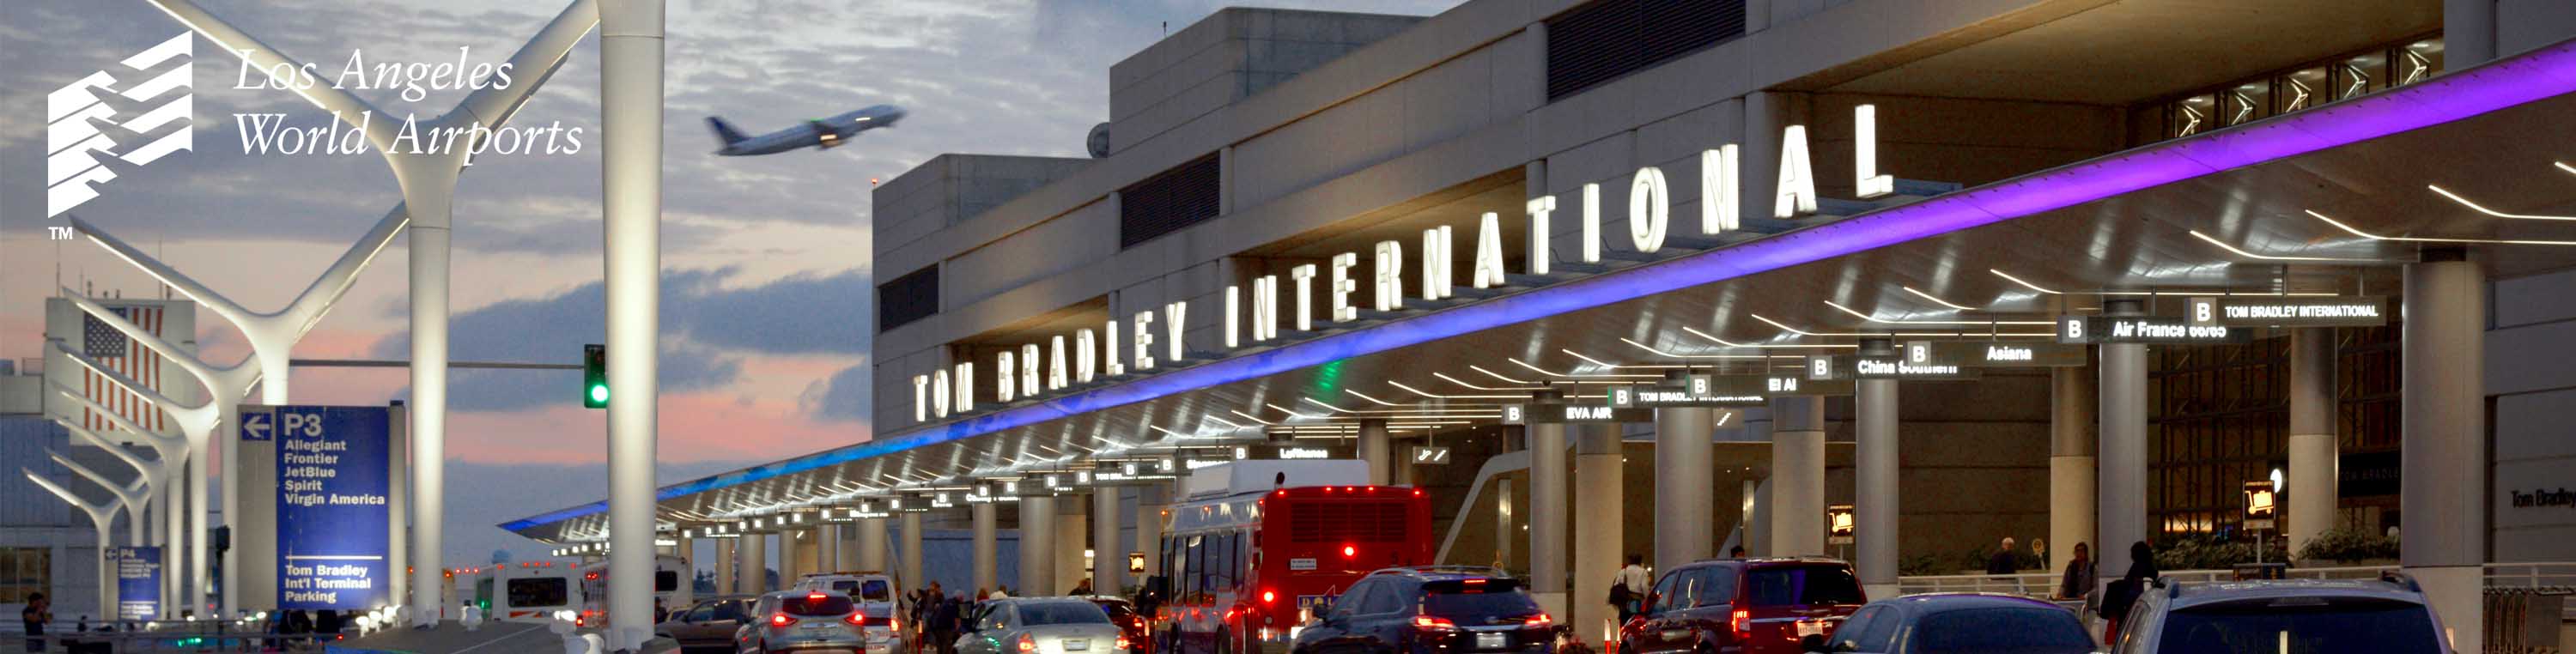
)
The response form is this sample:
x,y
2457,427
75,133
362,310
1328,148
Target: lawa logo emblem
x,y
114,120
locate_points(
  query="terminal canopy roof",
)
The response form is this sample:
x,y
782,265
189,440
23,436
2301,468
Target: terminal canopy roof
x,y
2328,200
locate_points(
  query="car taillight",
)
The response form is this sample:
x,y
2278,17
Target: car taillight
x,y
1433,623
1540,620
780,620
1122,641
895,624
1269,596
856,619
1741,622
1028,644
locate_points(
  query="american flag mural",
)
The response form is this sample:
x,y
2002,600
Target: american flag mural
x,y
114,351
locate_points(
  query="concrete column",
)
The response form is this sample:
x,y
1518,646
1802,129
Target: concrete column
x,y
1547,512
1797,477
1757,16
910,524
1149,528
2442,407
1037,539
2308,487
832,546
2121,497
1108,559
724,564
1684,509
1874,500
1072,535
1374,450
986,546
869,552
2070,464
751,557
2468,39
1599,522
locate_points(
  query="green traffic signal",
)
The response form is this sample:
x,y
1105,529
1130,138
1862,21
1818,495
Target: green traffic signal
x,y
594,376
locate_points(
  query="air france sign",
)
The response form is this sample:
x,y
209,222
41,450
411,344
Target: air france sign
x,y
1149,340
2144,329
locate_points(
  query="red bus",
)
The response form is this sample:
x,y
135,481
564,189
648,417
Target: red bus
x,y
1242,561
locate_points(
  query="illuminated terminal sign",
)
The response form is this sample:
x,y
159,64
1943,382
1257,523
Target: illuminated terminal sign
x,y
1562,414
2009,354
2286,311
1153,337
2144,329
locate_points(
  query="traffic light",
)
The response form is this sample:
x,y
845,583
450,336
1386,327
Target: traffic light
x,y
594,376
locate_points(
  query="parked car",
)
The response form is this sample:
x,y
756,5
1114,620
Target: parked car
x,y
1041,625
1742,606
1123,614
1958,623
2298,616
1429,610
803,622
706,625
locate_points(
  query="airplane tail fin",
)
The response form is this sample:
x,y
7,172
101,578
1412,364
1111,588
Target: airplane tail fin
x,y
724,131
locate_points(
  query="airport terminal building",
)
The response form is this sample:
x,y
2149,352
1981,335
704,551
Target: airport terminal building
x,y
1885,280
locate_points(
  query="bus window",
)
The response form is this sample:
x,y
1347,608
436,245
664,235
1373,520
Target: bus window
x,y
1243,564
1194,579
483,593
666,581
1232,562
539,591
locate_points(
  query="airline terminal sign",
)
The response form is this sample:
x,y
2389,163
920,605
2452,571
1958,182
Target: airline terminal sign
x,y
2290,311
1339,291
1554,413
1725,390
2152,330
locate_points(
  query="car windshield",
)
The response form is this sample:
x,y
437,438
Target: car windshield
x,y
1477,603
816,604
876,590
1037,613
2002,631
1801,584
2303,625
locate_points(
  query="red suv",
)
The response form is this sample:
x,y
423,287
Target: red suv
x,y
1742,606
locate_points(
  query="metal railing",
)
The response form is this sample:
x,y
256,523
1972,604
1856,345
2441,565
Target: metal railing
x,y
163,636
2547,577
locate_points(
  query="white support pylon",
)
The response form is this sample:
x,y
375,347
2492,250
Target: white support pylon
x,y
224,389
130,494
146,475
103,516
272,337
428,182
173,463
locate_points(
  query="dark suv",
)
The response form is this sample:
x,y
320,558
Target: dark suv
x,y
1429,610
2301,616
1742,606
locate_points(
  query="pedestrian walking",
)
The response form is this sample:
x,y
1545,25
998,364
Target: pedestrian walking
x,y
39,610
2002,561
2120,595
1628,586
943,625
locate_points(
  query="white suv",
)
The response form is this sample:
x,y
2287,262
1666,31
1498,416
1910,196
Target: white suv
x,y
879,602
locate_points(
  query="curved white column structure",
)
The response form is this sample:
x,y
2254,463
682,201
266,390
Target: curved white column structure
x,y
172,466
428,182
102,516
130,495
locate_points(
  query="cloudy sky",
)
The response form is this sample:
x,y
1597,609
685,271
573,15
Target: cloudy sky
x,y
767,304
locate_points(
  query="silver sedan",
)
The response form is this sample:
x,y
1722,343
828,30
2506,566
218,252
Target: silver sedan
x,y
1042,625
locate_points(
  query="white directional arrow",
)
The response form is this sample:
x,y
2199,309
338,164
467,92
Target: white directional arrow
x,y
256,426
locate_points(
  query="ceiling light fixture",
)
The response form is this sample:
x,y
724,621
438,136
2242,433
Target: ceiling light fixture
x,y
1802,332
1294,414
1437,396
1871,318
1474,387
2425,239
1496,375
1356,393
2455,197
2571,170
1552,373
1614,366
2271,257
1728,343
1935,300
1672,355
1248,416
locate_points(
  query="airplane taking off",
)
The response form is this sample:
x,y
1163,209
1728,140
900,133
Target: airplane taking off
x,y
822,132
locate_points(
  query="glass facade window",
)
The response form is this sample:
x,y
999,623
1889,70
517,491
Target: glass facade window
x,y
2221,418
24,571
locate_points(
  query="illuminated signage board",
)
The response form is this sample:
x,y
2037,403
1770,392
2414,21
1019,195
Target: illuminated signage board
x,y
2285,311
1839,523
1431,455
2259,505
2144,329
1155,336
1696,393
1305,453
2010,354
1564,414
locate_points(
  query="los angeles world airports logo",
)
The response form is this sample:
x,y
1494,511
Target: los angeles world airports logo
x,y
120,118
